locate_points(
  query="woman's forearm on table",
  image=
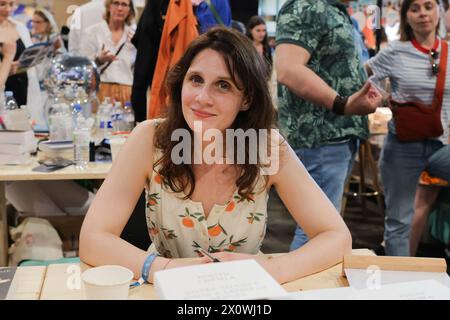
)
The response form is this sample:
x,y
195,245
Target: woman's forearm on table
x,y
104,248
320,253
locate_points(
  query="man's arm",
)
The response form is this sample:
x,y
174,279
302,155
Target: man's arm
x,y
290,64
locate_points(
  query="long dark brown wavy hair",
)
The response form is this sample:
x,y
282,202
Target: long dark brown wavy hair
x,y
248,72
256,21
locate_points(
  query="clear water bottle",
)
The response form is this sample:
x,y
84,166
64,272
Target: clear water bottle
x,y
81,139
10,102
128,117
76,111
117,118
60,122
104,123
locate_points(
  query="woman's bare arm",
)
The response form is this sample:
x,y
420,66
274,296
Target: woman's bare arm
x,y
100,241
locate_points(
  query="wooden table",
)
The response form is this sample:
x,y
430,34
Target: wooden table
x,y
25,173
63,282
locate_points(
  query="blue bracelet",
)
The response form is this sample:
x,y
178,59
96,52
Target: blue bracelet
x,y
147,265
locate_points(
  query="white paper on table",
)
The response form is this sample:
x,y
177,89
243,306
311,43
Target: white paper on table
x,y
243,279
344,293
416,290
372,278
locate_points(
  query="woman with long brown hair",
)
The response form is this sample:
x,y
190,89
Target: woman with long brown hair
x,y
415,66
202,194
257,32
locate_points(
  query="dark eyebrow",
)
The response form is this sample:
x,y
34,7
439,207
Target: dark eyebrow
x,y
226,78
193,71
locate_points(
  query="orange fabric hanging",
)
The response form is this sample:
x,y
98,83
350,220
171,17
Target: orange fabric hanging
x,y
180,28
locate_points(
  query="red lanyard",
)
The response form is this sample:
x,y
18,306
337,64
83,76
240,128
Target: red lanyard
x,y
424,50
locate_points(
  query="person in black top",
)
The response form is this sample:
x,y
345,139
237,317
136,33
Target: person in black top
x,y
18,83
257,32
146,40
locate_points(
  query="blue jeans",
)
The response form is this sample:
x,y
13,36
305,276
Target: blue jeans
x,y
400,166
329,166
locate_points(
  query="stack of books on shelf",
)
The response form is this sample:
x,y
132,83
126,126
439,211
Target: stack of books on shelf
x,y
16,146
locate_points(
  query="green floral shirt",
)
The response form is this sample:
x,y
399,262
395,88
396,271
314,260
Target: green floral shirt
x,y
324,29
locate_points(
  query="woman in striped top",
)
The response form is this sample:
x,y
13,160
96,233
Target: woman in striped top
x,y
409,65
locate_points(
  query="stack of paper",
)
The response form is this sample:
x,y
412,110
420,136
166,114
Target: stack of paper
x,y
387,278
244,279
16,146
56,150
415,290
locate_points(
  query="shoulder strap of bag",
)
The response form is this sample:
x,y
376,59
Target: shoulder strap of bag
x,y
214,12
440,82
109,63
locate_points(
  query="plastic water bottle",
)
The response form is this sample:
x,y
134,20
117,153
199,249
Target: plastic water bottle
x,y
128,117
60,122
10,102
76,111
81,139
104,123
117,118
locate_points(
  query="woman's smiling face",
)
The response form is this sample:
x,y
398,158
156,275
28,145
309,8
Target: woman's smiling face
x,y
209,94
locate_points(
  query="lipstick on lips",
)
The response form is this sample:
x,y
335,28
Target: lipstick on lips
x,y
202,114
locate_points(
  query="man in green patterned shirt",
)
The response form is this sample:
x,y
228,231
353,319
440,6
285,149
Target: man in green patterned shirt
x,y
323,101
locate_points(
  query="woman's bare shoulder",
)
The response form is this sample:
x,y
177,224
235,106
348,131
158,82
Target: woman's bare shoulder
x,y
147,128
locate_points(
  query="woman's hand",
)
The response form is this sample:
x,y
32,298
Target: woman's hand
x,y
165,264
59,43
130,34
14,67
105,56
232,256
263,260
176,263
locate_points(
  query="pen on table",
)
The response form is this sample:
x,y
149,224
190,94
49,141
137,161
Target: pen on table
x,y
207,254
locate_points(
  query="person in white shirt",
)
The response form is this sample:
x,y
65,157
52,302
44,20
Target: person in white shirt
x,y
82,18
25,85
108,44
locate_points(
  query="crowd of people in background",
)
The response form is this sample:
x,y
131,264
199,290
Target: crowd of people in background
x,y
322,54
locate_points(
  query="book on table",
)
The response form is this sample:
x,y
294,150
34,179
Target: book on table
x,y
243,279
18,137
10,159
16,146
6,277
